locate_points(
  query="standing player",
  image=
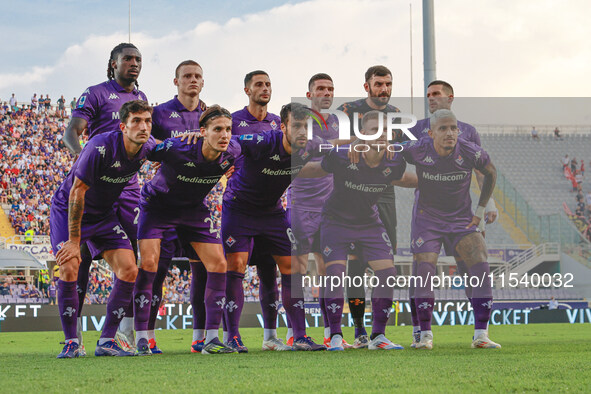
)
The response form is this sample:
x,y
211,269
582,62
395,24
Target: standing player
x,y
443,214
441,95
82,212
174,201
350,216
252,210
97,112
252,119
306,196
378,85
171,119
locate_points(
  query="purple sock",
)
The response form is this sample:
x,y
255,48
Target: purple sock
x,y
163,266
411,296
199,276
481,295
292,295
215,299
83,277
234,302
322,301
334,299
268,291
463,269
424,295
381,301
68,306
121,298
142,298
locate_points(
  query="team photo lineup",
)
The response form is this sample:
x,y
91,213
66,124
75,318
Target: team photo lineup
x,y
285,197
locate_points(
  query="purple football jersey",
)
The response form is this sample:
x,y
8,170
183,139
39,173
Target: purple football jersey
x,y
244,123
465,131
103,165
267,170
357,187
99,105
171,119
309,194
185,177
444,182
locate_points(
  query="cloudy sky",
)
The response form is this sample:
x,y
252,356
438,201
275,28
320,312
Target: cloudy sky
x,y
485,48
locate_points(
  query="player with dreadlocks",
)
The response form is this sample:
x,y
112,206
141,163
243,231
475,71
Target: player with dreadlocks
x,y
97,112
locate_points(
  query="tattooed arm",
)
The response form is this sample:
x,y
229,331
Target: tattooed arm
x,y
71,248
490,179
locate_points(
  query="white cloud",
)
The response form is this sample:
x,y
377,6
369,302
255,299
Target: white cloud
x,y
500,48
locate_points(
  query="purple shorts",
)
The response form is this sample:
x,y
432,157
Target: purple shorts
x,y
191,225
306,230
271,233
336,239
428,234
128,210
101,234
171,247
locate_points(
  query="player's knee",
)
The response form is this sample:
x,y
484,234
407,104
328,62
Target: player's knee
x,y
218,264
69,271
149,263
236,264
127,272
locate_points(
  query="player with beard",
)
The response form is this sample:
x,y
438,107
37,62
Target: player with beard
x,y
378,85
255,118
306,196
97,112
440,95
82,212
443,214
350,216
171,119
174,201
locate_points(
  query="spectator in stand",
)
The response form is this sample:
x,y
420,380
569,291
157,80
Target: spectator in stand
x,y
61,107
579,179
582,169
573,165
52,291
73,104
47,103
557,135
553,304
34,102
534,134
13,103
5,289
588,203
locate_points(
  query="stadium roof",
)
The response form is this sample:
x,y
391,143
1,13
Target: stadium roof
x,y
18,259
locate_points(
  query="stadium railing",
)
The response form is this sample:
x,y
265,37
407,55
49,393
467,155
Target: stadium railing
x,y
539,229
543,130
20,239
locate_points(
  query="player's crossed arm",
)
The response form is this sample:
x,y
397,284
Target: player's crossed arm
x,y
490,179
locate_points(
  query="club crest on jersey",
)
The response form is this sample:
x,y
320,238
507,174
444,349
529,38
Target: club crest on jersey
x,y
174,115
428,160
460,160
230,241
142,301
113,96
387,171
335,126
419,242
327,251
60,245
274,124
305,155
225,164
117,164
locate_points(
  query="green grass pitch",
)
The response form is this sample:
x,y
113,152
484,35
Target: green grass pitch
x,y
540,357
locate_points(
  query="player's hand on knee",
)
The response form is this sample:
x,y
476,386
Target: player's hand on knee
x,y
68,251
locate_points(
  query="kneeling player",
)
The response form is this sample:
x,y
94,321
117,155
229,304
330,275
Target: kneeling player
x,y
174,200
82,211
350,216
443,214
